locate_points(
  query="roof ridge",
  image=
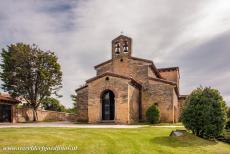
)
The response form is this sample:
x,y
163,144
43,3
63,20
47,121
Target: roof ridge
x,y
107,73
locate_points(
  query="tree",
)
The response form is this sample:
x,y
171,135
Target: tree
x,y
228,121
50,103
228,113
30,73
74,108
204,113
153,114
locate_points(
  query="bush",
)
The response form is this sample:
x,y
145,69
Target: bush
x,y
153,114
204,113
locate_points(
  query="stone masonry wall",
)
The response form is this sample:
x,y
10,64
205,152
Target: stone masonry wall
x,y
26,115
82,104
161,94
138,70
104,68
121,66
119,87
125,66
171,76
133,104
176,107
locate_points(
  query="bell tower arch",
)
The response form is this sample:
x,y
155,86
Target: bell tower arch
x,y
121,46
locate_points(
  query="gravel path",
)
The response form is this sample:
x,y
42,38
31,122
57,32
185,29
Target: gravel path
x,y
73,125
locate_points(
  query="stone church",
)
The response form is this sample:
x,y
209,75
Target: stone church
x,y
126,86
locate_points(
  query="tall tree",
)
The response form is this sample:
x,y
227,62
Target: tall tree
x,y
228,113
31,73
50,103
74,108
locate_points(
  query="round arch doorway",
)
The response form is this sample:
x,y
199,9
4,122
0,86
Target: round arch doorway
x,y
108,107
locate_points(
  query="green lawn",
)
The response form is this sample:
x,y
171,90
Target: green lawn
x,y
109,141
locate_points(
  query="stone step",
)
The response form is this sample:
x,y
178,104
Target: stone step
x,y
108,121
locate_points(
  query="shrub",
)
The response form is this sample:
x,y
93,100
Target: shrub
x,y
153,114
204,113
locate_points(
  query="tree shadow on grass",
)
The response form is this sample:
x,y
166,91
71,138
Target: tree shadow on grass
x,y
187,140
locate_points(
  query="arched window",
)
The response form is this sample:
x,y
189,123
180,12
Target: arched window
x,y
108,106
125,47
117,48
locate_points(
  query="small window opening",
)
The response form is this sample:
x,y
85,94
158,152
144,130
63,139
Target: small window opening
x,y
117,48
121,60
156,104
107,78
125,47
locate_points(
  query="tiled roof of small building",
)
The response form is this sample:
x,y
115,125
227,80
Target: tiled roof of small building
x,y
8,98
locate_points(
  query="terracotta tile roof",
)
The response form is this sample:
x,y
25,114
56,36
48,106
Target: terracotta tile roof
x,y
81,88
109,74
168,69
164,81
133,82
7,98
103,63
141,59
121,36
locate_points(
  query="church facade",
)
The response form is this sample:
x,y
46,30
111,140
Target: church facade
x,y
125,87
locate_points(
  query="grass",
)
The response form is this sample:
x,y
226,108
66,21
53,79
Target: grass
x,y
168,124
226,136
109,141
158,124
227,133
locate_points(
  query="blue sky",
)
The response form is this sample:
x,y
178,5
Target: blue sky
x,y
193,35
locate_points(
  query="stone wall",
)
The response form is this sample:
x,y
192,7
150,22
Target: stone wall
x,y
160,94
176,107
104,68
14,113
26,115
133,101
120,65
138,70
171,76
119,87
127,111
126,66
82,104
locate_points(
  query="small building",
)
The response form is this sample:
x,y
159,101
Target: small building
x,y
8,108
126,86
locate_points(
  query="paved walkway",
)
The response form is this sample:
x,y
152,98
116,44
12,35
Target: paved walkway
x,y
73,125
